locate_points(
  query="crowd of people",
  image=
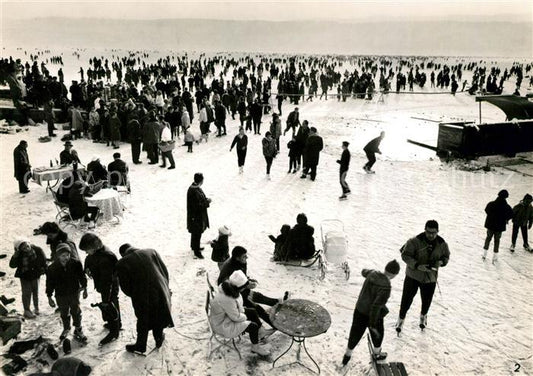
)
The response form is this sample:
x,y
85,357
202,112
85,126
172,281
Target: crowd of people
x,y
154,118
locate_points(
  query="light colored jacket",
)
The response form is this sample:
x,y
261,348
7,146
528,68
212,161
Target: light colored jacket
x,y
185,120
227,316
166,135
203,115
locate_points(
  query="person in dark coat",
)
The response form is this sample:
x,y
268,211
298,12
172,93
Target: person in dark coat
x,y
220,246
30,262
151,133
77,205
522,220
143,276
344,163
118,172
293,121
55,236
241,142
499,212
220,118
22,166
114,126
313,146
269,151
371,149
256,112
300,244
423,254
371,308
279,241
96,171
301,139
197,218
66,278
100,265
135,139
66,156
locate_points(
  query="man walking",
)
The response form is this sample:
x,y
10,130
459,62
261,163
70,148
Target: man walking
x,y
313,146
371,308
371,149
293,121
499,212
197,218
424,255
22,166
344,163
522,220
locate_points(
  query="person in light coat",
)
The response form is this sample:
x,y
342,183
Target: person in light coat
x,y
228,317
166,138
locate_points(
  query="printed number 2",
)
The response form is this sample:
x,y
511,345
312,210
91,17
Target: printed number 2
x,y
517,367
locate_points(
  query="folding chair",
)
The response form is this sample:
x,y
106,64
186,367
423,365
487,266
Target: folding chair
x,y
218,338
63,213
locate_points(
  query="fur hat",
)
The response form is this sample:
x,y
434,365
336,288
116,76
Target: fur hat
x,y
90,241
62,248
224,230
238,279
393,267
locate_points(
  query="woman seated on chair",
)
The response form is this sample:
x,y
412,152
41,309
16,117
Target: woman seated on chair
x,y
228,316
78,207
96,171
300,244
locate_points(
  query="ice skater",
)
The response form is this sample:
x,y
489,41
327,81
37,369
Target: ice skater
x,y
344,163
371,149
522,220
499,212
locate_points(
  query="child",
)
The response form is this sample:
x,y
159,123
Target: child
x,y
279,241
221,247
291,145
66,278
189,139
30,262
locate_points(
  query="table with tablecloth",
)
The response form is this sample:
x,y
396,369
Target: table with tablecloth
x,y
47,174
108,200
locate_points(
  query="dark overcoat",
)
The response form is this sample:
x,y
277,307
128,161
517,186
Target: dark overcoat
x,y
143,277
197,204
313,146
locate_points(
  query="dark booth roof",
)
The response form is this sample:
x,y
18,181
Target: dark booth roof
x,y
515,107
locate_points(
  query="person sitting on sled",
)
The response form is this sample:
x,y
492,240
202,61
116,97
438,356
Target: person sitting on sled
x,y
370,309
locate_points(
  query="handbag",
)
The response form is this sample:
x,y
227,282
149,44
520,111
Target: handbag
x,y
167,145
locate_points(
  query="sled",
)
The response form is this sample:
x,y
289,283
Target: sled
x,y
384,368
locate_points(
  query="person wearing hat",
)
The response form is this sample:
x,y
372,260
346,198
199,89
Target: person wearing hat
x,y
220,246
371,308
229,318
344,163
100,265
22,166
65,278
424,255
66,157
55,236
197,218
269,152
30,262
311,154
523,220
499,212
143,276
96,171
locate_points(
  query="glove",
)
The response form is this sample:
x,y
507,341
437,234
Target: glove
x,y
423,268
51,302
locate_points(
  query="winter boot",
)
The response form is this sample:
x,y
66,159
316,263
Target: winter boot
x,y
66,346
110,337
399,325
494,258
263,350
28,314
377,354
64,334
484,257
511,248
347,356
136,348
52,353
423,321
78,334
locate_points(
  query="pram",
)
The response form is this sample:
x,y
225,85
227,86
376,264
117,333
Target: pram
x,y
334,245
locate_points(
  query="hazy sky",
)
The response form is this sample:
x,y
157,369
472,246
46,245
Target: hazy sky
x,y
519,10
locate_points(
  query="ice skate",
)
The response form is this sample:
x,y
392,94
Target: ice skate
x,y
423,321
484,257
64,334
399,325
511,248
494,259
79,336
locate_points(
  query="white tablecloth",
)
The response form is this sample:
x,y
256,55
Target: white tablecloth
x,y
41,174
109,203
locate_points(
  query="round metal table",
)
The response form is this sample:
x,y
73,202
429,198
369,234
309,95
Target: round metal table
x,y
300,319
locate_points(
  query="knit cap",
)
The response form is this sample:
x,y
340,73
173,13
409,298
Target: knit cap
x,y
62,248
90,241
238,279
18,242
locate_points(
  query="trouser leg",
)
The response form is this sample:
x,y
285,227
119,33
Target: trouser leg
x,y
359,325
426,294
490,234
523,229
377,338
142,336
410,288
253,331
514,234
35,292
25,286
344,185
195,240
75,310
497,237
259,298
64,310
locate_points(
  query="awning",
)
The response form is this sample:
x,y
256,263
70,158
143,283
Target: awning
x,y
514,107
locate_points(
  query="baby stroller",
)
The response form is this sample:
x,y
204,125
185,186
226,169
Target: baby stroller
x,y
335,245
